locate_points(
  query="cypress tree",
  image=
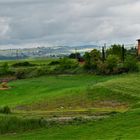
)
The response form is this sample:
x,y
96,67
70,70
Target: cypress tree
x,y
103,54
123,53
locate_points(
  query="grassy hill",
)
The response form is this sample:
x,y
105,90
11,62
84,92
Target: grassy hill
x,y
80,93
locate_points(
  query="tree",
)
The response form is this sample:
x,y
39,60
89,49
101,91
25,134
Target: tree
x,y
112,62
95,57
91,59
103,54
123,53
87,59
132,52
75,55
131,64
117,50
4,68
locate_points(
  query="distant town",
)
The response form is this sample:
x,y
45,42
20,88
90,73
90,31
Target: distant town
x,y
58,51
50,52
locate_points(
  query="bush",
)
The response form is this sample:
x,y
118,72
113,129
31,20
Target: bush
x,y
38,72
14,124
22,73
54,63
102,68
4,69
66,63
131,64
112,62
23,64
111,66
5,110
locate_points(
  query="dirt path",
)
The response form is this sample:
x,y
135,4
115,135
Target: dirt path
x,y
4,88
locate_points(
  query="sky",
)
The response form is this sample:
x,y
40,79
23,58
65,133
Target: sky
x,y
32,23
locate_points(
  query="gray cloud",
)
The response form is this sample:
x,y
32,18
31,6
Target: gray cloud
x,y
60,22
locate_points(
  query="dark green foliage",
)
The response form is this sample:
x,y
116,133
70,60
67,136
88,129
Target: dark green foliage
x,y
20,74
102,68
87,59
63,66
112,62
123,53
75,55
5,110
95,55
54,63
23,64
117,50
131,64
95,58
103,54
4,69
132,52
138,57
14,124
92,59
23,73
66,63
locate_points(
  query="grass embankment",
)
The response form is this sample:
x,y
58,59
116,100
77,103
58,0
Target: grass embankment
x,y
66,95
120,127
48,88
85,92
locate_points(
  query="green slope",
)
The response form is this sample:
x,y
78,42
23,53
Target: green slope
x,y
121,127
80,92
46,88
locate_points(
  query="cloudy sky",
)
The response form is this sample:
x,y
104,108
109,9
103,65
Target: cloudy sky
x,y
29,23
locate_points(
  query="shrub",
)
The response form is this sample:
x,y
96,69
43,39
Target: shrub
x,y
102,68
75,55
23,64
131,64
4,69
87,59
112,62
54,63
5,110
14,124
66,63
38,72
20,74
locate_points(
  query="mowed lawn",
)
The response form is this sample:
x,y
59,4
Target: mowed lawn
x,y
72,91
33,90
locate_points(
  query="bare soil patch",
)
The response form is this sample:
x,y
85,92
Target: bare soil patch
x,y
4,88
110,103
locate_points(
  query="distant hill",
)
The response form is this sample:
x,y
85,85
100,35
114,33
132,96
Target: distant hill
x,y
56,51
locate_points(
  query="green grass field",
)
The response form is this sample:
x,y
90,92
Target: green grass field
x,y
39,61
121,127
71,94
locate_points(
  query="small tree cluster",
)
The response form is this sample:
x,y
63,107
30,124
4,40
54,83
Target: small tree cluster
x,y
4,69
112,61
